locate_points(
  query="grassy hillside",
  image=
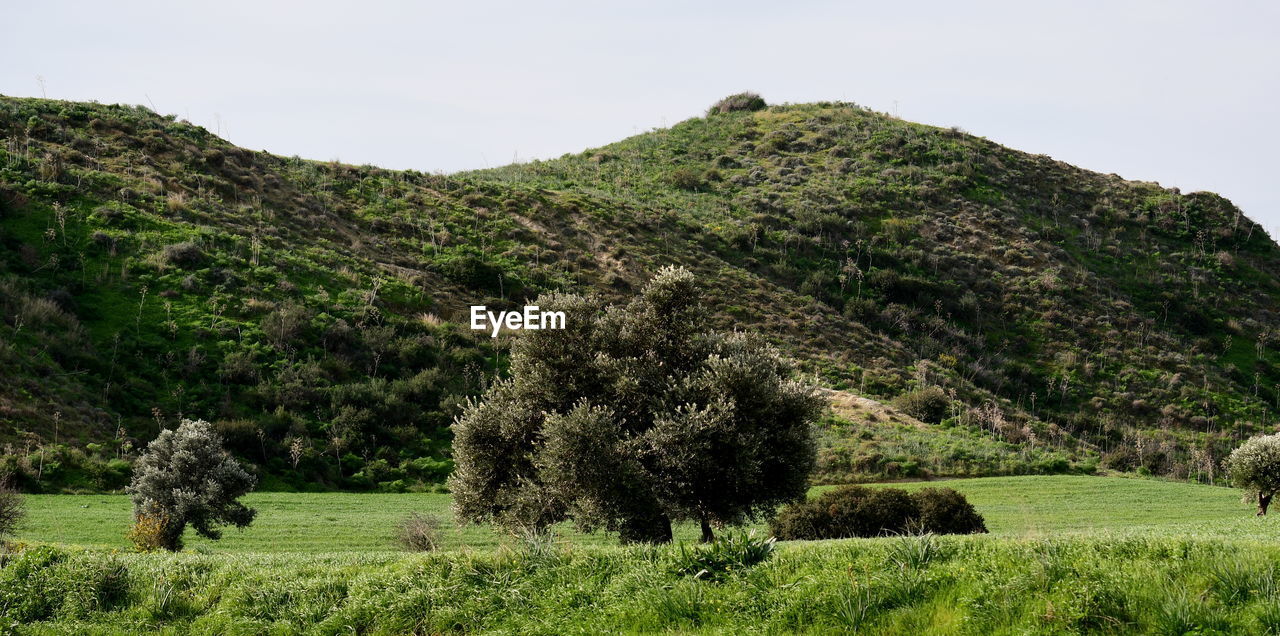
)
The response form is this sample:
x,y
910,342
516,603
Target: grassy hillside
x,y
1067,555
1019,507
314,311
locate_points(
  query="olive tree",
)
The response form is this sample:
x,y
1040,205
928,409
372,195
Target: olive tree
x,y
1255,467
186,477
632,417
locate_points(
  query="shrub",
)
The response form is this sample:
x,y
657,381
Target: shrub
x,y
1255,467
746,101
12,509
148,532
187,477
730,552
185,254
686,179
945,511
418,533
858,511
928,404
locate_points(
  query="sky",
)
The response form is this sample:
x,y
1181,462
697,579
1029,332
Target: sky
x,y
1182,93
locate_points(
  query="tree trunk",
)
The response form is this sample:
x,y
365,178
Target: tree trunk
x,y
655,528
707,535
1264,500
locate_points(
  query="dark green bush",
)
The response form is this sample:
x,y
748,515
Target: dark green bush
x,y
945,511
858,511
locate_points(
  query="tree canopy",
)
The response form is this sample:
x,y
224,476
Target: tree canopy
x,y
632,417
186,477
1255,467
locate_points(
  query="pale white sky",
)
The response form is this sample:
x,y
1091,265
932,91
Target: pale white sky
x,y
1183,93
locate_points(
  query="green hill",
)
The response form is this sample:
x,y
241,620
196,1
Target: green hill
x,y
1039,316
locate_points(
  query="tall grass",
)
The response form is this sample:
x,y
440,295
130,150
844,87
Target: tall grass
x,y
945,585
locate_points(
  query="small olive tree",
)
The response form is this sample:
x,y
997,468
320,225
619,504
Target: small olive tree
x,y
632,417
186,477
1255,467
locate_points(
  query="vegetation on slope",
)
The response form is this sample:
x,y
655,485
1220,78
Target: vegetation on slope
x,y
312,310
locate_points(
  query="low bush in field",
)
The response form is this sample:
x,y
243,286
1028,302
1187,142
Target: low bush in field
x,y
945,511
858,511
418,533
713,561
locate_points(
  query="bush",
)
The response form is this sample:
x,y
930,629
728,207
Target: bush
x,y
713,561
418,533
1255,467
185,254
148,532
927,405
12,509
858,511
686,179
746,101
187,477
945,511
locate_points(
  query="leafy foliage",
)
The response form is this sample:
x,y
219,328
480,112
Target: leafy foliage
x,y
186,477
1255,467
632,417
313,311
729,553
858,511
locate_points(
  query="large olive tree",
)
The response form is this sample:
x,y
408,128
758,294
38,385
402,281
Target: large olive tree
x,y
1255,467
186,477
632,417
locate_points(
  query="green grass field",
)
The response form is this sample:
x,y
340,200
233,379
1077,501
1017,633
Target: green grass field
x,y
1067,555
346,522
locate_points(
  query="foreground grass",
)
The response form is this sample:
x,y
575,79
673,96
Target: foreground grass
x,y
1066,555
948,585
345,522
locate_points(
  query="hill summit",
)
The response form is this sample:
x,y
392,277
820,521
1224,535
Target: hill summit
x,y
317,312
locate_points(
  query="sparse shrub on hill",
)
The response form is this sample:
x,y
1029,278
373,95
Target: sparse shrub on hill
x,y
186,477
1255,467
859,511
928,404
738,102
184,255
686,179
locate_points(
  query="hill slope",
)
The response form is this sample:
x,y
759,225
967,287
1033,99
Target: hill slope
x,y
315,310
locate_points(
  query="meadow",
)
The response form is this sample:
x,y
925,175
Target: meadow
x,y
1028,506
1066,554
